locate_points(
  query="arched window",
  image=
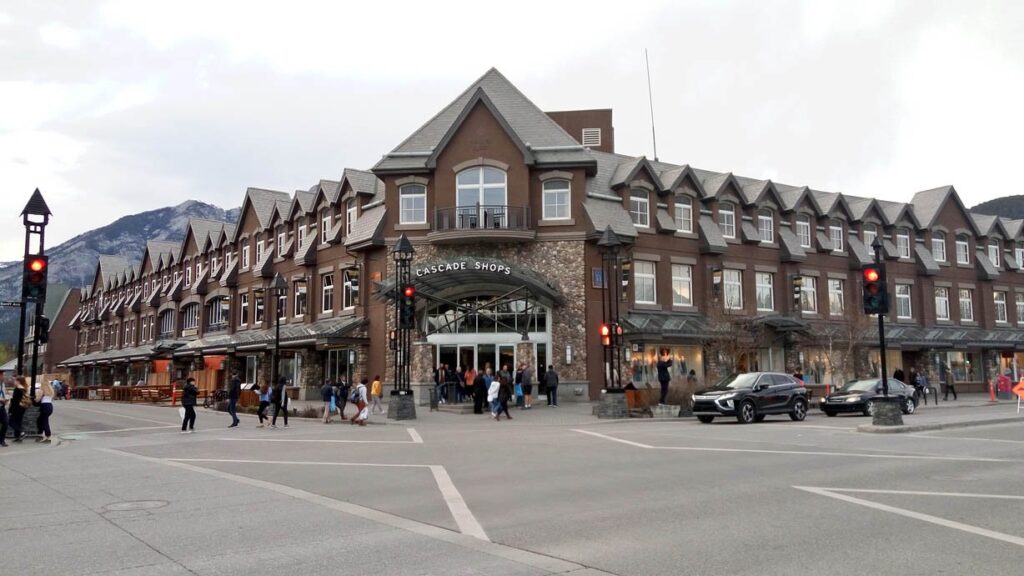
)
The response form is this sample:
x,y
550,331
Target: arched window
x,y
556,200
190,317
412,200
803,230
218,311
684,214
481,197
167,324
939,246
640,208
766,225
727,219
835,231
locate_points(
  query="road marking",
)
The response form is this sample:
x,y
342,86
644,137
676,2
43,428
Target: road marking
x,y
416,438
792,452
997,440
315,441
1008,538
464,518
292,462
922,493
115,414
124,430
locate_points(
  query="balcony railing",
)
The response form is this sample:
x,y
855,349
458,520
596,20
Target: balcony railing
x,y
482,217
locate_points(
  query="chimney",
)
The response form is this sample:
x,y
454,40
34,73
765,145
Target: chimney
x,y
592,128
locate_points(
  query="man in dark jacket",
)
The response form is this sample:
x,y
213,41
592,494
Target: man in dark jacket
x,y
279,398
341,398
664,363
189,395
479,393
551,382
234,392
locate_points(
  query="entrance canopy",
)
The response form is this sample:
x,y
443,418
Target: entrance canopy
x,y
452,277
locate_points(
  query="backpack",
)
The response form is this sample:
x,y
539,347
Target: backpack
x,y
354,396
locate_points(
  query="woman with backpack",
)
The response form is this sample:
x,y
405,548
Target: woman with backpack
x,y
358,398
264,404
189,396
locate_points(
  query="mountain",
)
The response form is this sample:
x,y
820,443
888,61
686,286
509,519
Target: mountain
x,y
1008,207
74,262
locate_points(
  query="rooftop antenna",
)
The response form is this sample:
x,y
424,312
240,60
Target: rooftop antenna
x,y
650,101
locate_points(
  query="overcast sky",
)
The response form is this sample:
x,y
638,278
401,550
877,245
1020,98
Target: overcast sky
x,y
112,108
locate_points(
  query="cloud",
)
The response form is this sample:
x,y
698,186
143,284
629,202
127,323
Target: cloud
x,y
60,35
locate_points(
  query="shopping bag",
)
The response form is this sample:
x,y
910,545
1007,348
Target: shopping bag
x,y
334,405
181,412
364,414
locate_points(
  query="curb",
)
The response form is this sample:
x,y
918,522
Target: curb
x,y
871,428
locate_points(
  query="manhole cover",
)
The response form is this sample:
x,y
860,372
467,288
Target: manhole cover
x,y
135,505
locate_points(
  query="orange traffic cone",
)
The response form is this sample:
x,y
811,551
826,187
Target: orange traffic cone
x,y
991,391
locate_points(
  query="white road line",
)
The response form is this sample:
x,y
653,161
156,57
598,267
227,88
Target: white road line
x,y
922,493
115,414
293,462
416,438
613,439
315,441
917,516
946,438
123,430
792,452
456,505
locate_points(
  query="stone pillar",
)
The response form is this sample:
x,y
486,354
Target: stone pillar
x,y
888,412
524,353
402,406
312,375
612,404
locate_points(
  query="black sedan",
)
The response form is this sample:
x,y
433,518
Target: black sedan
x,y
863,395
752,396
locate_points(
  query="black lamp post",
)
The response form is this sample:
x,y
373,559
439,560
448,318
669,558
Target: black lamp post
x,y
877,246
35,216
280,289
610,247
402,254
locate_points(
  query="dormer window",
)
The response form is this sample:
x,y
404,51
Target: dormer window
x,y
351,211
903,243
870,233
259,249
640,208
280,242
803,230
835,230
188,275
963,250
727,219
939,246
556,199
325,225
684,214
302,233
993,252
766,226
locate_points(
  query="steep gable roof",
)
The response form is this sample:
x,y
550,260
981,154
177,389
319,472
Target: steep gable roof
x,y
928,203
893,212
303,201
715,183
672,178
263,204
362,182
983,223
540,137
627,171
201,229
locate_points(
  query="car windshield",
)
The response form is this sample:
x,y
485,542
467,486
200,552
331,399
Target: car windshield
x,y
737,381
860,385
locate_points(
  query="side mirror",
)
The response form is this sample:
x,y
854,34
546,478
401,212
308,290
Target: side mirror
x,y
760,386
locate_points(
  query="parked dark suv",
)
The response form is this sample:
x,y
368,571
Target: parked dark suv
x,y
752,396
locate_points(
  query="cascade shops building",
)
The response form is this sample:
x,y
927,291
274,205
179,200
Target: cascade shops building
x,y
504,205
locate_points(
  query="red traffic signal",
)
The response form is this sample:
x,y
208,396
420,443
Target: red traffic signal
x,y
605,330
33,281
409,291
37,264
876,295
871,274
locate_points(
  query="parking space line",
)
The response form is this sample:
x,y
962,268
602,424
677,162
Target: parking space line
x,y
291,462
464,518
1008,538
416,438
318,441
793,452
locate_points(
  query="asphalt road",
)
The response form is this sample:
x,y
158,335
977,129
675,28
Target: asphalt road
x,y
554,491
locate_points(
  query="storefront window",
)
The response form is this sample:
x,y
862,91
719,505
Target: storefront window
x,y
963,365
486,314
252,364
643,370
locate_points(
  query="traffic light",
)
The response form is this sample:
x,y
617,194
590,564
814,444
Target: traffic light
x,y
876,295
407,307
617,334
605,330
33,283
42,334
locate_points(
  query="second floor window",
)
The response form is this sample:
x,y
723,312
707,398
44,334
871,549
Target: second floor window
x,y
903,242
646,281
302,234
835,230
733,288
803,230
325,225
259,250
1001,313
903,307
556,200
939,246
684,214
167,324
682,285
412,204
1020,308
188,275
765,283
941,303
245,256
1019,255
350,289
966,305
281,234
243,309
993,252
836,303
258,309
640,208
727,220
282,305
326,292
870,233
963,251
350,216
766,226
190,317
218,312
300,299
809,295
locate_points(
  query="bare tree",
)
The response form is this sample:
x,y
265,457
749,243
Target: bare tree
x,y
843,341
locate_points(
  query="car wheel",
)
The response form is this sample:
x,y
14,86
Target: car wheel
x,y
706,419
869,408
747,413
830,413
799,411
759,418
908,406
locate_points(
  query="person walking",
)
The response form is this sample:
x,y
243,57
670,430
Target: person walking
x,y
189,395
517,390
527,386
3,411
664,376
234,393
479,392
341,397
359,398
264,404
897,374
950,385
327,394
376,393
492,394
551,382
279,398
440,382
505,392
20,401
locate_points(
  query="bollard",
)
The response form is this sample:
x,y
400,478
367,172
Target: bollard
x,y
991,391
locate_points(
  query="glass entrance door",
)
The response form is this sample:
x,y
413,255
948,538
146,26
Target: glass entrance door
x,y
467,357
507,358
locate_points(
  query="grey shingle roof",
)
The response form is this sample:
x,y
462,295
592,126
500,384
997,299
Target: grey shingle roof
x,y
264,202
892,211
363,182
303,201
792,251
665,222
331,190
925,262
860,253
604,213
367,227
110,267
927,204
711,239
986,270
202,229
532,126
983,223
305,254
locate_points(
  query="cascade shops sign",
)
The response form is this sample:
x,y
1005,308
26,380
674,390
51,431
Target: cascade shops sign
x,y
464,266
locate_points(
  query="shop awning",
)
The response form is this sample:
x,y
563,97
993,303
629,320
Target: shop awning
x,y
661,326
321,332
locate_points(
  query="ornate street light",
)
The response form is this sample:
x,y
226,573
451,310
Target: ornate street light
x,y
280,287
35,217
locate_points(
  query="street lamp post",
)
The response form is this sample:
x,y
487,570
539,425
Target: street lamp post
x,y
402,405
280,289
35,216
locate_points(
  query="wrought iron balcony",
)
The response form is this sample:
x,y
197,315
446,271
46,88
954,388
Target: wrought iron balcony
x,y
481,223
